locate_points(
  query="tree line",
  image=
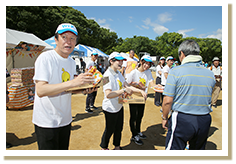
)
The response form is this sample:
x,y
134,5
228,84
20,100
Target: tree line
x,y
43,21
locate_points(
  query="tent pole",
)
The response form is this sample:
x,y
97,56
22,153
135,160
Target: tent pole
x,y
13,61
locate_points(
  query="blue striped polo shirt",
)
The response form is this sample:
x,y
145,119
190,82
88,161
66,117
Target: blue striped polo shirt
x,y
191,86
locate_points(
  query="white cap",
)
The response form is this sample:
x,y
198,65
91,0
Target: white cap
x,y
216,58
147,58
116,55
169,58
66,27
162,58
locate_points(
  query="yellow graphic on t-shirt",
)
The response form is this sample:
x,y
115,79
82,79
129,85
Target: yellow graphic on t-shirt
x,y
65,76
120,83
133,66
143,81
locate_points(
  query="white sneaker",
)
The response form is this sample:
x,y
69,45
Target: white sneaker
x,y
142,136
137,140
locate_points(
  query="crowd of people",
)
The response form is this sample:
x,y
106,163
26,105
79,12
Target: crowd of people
x,y
186,104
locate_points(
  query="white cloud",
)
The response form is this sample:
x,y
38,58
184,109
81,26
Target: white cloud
x,y
92,18
139,27
146,27
183,32
131,19
157,28
101,21
164,17
147,21
216,34
107,26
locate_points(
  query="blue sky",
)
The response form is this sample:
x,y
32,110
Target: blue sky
x,y
153,21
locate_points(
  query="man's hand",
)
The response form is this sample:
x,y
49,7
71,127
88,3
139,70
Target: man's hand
x,y
82,79
164,124
166,107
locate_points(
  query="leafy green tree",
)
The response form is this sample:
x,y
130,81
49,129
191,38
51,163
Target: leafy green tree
x,y
41,21
138,44
212,48
209,48
167,44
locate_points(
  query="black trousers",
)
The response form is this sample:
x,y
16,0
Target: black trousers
x,y
158,96
114,125
91,99
136,115
53,138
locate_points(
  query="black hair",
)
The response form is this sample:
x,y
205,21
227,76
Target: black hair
x,y
113,59
131,50
142,61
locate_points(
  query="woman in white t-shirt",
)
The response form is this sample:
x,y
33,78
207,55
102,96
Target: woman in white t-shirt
x,y
166,69
143,77
113,111
159,69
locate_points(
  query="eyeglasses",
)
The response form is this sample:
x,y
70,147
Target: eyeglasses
x,y
67,38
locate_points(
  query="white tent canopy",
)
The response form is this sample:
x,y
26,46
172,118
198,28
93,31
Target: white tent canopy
x,y
18,57
13,38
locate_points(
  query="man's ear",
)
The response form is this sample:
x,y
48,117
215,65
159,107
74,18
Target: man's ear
x,y
182,56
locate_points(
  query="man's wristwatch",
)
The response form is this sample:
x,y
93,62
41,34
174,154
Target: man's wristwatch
x,y
163,118
124,90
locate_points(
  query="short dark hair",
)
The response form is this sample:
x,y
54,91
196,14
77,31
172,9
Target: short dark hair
x,y
131,50
142,62
77,39
189,47
113,59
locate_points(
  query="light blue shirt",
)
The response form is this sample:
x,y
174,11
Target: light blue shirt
x,y
191,86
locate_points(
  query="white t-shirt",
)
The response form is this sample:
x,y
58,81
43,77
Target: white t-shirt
x,y
53,111
137,76
166,69
158,68
89,64
129,65
115,83
216,71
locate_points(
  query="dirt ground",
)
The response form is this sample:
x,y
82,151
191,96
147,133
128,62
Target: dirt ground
x,y
87,129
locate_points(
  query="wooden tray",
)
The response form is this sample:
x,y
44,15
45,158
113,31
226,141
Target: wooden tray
x,y
136,99
103,81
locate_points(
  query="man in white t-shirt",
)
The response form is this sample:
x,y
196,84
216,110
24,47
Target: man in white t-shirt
x,y
54,74
91,97
166,69
217,70
130,64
